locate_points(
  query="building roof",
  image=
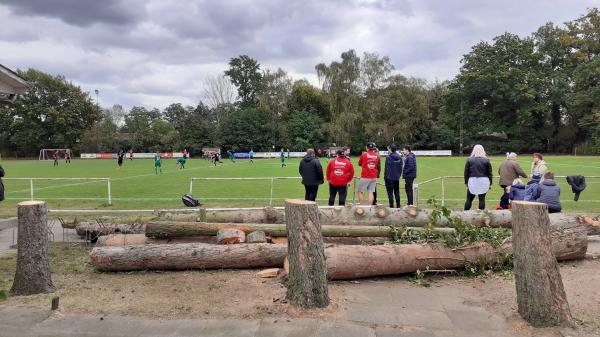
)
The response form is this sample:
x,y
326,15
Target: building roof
x,y
11,84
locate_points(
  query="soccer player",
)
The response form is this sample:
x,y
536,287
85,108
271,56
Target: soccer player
x,y
67,157
120,157
185,154
282,158
55,157
181,163
130,154
157,163
340,173
251,156
231,156
369,161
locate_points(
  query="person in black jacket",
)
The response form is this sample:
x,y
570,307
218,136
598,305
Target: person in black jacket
x,y
312,175
392,173
1,184
478,177
409,173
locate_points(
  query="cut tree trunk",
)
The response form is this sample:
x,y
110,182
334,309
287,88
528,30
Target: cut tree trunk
x,y
33,264
256,237
541,297
188,256
228,236
307,278
569,242
163,229
92,229
141,239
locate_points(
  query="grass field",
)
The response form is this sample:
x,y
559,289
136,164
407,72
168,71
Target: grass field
x,y
136,186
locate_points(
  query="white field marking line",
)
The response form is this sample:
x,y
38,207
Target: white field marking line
x,y
95,181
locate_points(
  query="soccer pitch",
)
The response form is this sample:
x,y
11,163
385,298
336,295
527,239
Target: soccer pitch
x,y
136,186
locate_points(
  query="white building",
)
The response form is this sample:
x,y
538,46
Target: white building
x,y
11,85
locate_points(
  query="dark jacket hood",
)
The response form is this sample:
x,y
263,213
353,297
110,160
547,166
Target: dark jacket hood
x,y
308,158
520,186
549,182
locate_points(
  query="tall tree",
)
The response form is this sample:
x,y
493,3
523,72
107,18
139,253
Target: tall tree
x,y
245,74
53,113
246,129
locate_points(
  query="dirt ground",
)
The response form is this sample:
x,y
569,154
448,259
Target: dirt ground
x,y
240,294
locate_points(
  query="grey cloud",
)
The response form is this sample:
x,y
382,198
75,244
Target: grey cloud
x,y
81,12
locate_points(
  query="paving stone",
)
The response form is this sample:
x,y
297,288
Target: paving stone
x,y
386,315
400,332
283,328
343,329
217,328
475,319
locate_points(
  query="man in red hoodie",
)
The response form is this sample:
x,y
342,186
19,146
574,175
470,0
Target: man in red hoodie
x,y
369,161
340,173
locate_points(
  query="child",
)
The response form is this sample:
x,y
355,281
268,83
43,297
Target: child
x,y
548,192
504,200
517,190
532,187
157,163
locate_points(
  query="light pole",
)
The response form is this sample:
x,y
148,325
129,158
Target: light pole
x,y
461,119
97,102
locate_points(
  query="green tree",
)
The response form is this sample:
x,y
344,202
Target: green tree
x,y
53,113
305,97
304,130
246,129
245,74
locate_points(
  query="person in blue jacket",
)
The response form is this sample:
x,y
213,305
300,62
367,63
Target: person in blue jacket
x,y
549,193
517,190
409,173
532,187
392,173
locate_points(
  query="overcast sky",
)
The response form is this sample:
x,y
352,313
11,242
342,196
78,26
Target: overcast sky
x,y
157,52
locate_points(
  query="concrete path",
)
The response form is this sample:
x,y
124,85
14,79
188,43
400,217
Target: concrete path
x,y
8,236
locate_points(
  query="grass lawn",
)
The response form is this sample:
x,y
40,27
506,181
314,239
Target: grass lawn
x,y
136,186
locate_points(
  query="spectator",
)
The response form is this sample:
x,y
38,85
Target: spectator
x,y
548,192
532,187
510,170
1,184
340,173
312,175
409,173
539,165
369,161
392,173
478,177
517,190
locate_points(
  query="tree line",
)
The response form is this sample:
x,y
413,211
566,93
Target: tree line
x,y
535,93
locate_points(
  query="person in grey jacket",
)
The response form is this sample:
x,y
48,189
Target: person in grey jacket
x,y
548,192
392,173
312,175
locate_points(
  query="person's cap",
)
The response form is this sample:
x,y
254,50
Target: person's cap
x,y
393,147
536,176
371,145
341,153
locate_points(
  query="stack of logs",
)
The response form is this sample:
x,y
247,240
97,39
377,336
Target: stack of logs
x,y
255,238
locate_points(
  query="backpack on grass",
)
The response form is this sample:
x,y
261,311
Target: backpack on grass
x,y
190,201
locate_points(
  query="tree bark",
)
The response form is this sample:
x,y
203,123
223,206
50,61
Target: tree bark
x,y
188,256
164,229
33,264
141,239
228,236
541,297
569,242
307,278
256,237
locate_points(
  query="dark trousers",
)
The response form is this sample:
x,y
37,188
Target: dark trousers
x,y
310,192
554,210
333,190
393,191
471,197
408,187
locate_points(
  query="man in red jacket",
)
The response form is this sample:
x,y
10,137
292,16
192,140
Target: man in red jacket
x,y
369,161
340,173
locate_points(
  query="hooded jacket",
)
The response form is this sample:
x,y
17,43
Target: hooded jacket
x,y
393,166
517,192
548,192
340,171
311,171
531,189
410,166
577,185
1,184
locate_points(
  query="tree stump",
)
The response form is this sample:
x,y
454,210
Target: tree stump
x,y
307,278
541,297
228,236
33,265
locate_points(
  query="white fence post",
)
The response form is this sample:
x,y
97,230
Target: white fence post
x,y
109,194
443,192
271,194
416,194
191,186
31,188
